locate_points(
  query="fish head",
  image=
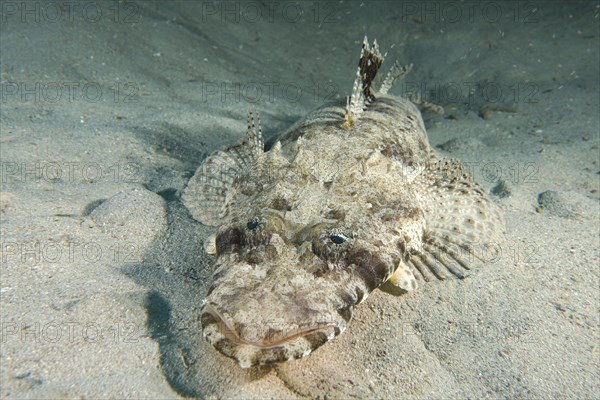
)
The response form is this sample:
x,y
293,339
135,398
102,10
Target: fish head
x,y
296,253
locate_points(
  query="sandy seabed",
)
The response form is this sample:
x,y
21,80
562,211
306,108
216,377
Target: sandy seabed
x,y
108,108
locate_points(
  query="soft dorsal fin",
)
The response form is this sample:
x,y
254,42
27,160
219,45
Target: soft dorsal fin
x,y
464,229
209,193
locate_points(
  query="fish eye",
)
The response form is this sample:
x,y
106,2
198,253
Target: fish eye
x,y
253,224
338,238
333,244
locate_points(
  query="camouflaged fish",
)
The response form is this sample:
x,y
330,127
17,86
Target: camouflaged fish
x,y
348,198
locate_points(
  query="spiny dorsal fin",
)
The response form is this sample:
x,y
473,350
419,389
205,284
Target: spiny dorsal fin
x,y
368,65
464,229
209,193
255,136
396,73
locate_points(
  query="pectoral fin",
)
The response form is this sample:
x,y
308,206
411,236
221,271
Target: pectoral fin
x,y
464,227
210,191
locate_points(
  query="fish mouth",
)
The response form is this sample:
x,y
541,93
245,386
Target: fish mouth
x,y
274,346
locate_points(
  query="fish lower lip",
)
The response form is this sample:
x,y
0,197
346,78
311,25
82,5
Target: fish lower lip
x,y
212,316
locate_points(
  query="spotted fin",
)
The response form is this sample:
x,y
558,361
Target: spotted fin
x,y
209,192
464,228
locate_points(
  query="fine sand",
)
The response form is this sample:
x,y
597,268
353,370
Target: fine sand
x,y
108,108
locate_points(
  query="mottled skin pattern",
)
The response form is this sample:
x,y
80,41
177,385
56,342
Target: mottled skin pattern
x,y
306,230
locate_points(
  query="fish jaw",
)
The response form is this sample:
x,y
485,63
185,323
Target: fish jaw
x,y
278,311
274,314
277,346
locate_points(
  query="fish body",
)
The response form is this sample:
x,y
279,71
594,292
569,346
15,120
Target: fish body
x,y
348,198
